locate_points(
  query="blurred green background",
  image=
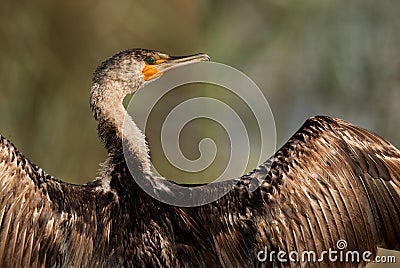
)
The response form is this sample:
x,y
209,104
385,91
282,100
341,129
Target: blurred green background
x,y
339,58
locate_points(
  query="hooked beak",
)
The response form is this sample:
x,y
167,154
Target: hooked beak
x,y
170,62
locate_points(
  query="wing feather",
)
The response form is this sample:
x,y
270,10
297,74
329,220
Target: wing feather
x,y
344,183
36,229
331,181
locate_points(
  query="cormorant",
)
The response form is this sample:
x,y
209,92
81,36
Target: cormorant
x,y
332,181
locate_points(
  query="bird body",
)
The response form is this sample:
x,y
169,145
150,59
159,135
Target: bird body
x,y
331,181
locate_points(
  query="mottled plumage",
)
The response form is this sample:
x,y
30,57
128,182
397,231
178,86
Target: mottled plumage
x,y
330,181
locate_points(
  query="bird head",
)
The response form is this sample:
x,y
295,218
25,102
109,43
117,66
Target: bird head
x,y
156,63
133,68
123,74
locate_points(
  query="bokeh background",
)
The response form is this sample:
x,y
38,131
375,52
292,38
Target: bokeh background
x,y
339,58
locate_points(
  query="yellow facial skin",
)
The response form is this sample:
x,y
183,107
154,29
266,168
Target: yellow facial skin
x,y
157,64
150,71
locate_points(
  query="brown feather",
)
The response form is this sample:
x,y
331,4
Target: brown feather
x,y
332,180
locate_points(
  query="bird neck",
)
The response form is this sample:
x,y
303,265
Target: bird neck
x,y
116,128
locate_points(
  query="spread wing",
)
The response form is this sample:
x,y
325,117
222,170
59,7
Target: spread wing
x,y
331,181
35,217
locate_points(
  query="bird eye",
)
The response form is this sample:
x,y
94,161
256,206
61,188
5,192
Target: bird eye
x,y
150,60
